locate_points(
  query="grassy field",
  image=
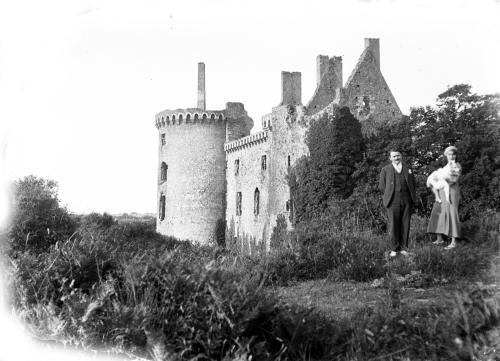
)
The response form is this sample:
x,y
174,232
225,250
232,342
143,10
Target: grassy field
x,y
345,299
339,299
120,285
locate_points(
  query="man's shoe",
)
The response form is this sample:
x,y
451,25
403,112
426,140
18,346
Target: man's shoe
x,y
451,246
393,254
438,242
405,253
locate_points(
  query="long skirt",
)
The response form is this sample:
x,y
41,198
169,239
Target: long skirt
x,y
444,216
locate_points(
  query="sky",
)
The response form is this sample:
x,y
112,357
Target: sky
x,y
81,81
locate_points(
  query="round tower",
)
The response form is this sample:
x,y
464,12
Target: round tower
x,y
192,166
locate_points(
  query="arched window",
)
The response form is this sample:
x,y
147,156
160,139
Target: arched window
x,y
161,210
163,172
256,202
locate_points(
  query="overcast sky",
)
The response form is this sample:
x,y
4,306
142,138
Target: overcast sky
x,y
81,81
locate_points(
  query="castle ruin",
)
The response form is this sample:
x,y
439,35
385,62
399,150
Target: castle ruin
x,y
210,168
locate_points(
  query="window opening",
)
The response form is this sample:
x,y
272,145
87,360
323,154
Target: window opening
x,y
263,162
163,172
238,203
162,207
256,202
236,167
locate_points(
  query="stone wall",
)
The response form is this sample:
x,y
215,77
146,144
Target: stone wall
x,y
291,88
287,146
283,142
239,124
202,147
248,152
195,186
366,92
329,83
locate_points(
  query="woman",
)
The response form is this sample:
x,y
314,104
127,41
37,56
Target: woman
x,y
444,216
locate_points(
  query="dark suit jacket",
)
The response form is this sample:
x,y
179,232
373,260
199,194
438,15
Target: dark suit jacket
x,y
386,183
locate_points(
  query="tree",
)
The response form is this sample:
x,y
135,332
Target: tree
x,y
335,145
38,219
461,118
471,123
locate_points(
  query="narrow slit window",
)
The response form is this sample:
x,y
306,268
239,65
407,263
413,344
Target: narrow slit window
x,y
238,203
163,172
163,139
236,167
263,162
256,202
162,208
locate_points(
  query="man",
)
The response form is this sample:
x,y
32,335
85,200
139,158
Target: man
x,y
398,185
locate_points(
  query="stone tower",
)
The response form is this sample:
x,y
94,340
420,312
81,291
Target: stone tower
x,y
192,166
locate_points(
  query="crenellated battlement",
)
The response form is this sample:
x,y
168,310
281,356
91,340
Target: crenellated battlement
x,y
211,169
247,141
185,116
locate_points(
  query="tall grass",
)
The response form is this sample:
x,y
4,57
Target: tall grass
x,y
124,286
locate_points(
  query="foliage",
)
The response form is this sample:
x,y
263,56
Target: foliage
x,y
461,118
471,123
104,282
280,236
116,285
345,250
38,219
335,145
172,304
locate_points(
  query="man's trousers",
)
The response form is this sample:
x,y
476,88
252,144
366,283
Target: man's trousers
x,y
399,214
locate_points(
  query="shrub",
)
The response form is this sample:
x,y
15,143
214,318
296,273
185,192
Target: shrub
x,y
279,237
171,306
335,145
38,219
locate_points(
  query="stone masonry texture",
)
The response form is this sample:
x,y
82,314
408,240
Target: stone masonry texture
x,y
203,148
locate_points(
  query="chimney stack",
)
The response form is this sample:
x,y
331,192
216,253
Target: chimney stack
x,y
374,46
201,87
291,88
321,67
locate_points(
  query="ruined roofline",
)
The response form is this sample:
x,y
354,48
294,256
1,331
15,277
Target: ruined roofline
x,y
191,115
328,82
361,60
247,141
372,47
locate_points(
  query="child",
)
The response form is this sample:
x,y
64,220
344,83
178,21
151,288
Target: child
x,y
442,178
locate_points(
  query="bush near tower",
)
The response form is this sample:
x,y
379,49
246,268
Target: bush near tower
x,y
38,219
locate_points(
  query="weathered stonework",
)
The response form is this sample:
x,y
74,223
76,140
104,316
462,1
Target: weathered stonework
x,y
216,168
366,92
